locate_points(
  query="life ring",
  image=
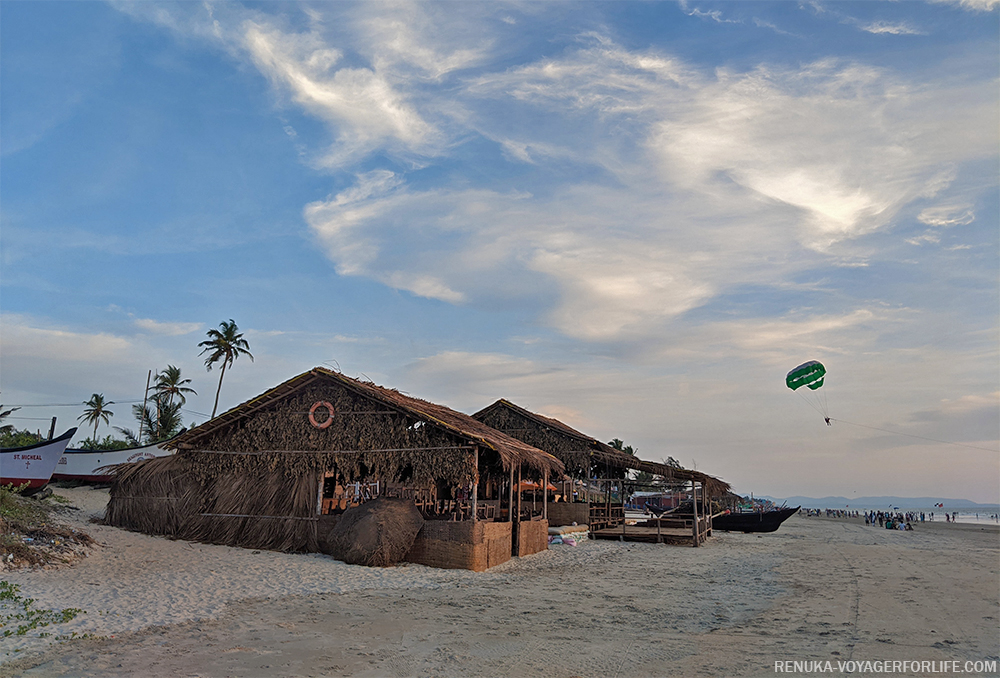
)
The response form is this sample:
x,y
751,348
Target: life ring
x,y
312,411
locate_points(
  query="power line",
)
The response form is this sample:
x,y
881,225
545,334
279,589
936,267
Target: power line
x,y
117,402
910,435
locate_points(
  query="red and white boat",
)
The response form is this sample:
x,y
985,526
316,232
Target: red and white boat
x,y
32,465
93,466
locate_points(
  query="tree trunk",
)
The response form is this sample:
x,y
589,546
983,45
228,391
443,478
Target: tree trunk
x,y
219,390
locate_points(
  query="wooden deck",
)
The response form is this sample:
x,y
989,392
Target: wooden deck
x,y
679,532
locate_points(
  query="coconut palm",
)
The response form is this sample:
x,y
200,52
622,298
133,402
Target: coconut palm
x,y
7,428
170,384
160,420
224,345
97,411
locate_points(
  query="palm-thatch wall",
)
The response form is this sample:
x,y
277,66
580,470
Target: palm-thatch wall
x,y
164,496
251,477
583,456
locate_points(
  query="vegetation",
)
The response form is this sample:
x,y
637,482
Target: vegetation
x,y
224,345
643,477
159,420
107,444
28,533
5,428
97,411
16,609
169,384
12,437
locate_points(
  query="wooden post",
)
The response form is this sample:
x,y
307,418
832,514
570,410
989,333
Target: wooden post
x,y
319,494
510,493
519,493
545,495
694,507
52,429
475,482
144,396
659,539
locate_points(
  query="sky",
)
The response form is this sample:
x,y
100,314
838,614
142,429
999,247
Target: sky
x,y
635,217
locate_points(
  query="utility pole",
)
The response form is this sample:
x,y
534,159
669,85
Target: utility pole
x,y
145,395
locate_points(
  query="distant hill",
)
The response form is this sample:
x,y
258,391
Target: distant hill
x,y
881,502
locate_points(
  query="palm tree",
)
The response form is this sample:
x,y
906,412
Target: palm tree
x,y
97,411
224,345
7,428
160,420
169,383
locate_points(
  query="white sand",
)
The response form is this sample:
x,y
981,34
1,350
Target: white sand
x,y
817,589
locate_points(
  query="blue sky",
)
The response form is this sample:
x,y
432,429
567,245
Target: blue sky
x,y
635,217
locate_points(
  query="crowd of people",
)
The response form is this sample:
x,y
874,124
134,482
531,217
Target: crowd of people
x,y
888,519
895,521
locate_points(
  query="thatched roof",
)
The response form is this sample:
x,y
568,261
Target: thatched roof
x,y
599,451
511,451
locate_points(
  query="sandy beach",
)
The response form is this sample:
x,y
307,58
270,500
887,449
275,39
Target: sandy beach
x,y
819,589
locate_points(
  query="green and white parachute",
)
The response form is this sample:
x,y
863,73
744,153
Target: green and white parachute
x,y
811,375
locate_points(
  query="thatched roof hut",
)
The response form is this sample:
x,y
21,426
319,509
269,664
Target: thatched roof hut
x,y
582,455
255,475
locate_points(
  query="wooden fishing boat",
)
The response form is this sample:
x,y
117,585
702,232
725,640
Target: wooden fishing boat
x,y
94,466
756,521
32,465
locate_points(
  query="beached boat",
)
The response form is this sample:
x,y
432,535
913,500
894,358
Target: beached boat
x,y
32,465
94,466
755,521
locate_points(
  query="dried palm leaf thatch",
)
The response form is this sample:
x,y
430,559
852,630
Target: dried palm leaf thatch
x,y
377,533
156,496
578,451
572,450
367,418
258,510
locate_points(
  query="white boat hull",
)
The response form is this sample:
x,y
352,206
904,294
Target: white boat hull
x,y
32,466
93,466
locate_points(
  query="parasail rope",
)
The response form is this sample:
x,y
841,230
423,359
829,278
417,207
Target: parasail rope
x,y
910,435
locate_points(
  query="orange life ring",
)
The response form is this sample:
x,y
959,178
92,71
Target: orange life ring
x,y
312,411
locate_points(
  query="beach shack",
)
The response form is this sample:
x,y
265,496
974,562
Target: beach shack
x,y
278,471
598,481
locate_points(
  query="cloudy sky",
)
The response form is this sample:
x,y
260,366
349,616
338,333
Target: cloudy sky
x,y
635,217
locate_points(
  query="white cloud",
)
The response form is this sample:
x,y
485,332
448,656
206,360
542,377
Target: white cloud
x,y
971,5
947,215
889,28
166,328
362,104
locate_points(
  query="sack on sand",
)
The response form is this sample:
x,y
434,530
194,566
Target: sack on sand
x,y
378,533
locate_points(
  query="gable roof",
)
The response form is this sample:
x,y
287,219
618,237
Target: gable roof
x,y
510,450
606,454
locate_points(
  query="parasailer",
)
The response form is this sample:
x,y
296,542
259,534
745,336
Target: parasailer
x,y
811,375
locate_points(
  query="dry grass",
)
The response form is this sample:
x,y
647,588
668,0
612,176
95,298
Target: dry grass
x,y
31,535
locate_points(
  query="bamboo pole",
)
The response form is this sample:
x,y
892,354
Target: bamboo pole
x,y
510,495
142,419
694,507
519,493
545,495
475,483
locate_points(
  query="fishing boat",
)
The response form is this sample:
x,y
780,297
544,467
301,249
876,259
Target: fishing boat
x,y
752,521
94,466
32,465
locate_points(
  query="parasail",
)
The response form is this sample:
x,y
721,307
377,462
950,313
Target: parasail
x,y
810,375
